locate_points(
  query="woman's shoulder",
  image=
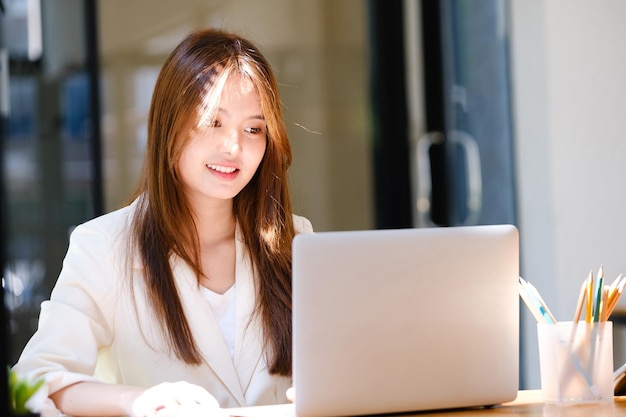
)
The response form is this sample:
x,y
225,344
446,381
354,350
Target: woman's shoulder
x,y
302,224
112,224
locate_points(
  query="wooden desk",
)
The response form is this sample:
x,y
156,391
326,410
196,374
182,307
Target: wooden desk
x,y
528,403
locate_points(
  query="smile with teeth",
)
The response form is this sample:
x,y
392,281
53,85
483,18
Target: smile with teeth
x,y
221,168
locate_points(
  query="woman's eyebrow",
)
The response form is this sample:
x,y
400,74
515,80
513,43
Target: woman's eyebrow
x,y
256,116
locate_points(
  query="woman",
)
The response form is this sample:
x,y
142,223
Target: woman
x,y
192,281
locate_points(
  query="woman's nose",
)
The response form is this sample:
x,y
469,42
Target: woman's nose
x,y
232,142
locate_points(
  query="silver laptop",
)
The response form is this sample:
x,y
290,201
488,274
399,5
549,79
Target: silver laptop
x,y
389,321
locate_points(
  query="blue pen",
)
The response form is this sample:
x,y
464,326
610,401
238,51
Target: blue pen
x,y
532,306
535,298
543,307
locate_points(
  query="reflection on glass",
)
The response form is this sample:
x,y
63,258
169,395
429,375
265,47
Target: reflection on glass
x,y
47,168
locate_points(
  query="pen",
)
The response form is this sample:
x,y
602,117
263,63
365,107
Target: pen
x,y
615,295
605,304
597,310
589,306
581,300
614,284
533,298
539,300
532,307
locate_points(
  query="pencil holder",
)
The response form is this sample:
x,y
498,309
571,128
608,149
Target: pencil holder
x,y
576,362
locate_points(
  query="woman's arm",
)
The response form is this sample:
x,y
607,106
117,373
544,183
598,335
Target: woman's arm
x,y
96,399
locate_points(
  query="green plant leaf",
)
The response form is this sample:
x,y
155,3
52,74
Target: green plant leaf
x,y
20,391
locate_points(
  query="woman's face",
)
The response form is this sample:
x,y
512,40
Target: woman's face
x,y
220,159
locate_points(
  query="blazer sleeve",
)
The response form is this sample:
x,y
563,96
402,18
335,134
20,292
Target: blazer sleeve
x,y
76,321
302,224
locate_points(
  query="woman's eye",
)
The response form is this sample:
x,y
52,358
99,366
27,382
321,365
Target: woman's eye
x,y
255,130
215,123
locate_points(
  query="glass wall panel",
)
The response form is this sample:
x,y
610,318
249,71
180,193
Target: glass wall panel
x,y
47,144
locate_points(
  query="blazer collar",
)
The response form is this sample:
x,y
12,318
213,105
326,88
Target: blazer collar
x,y
235,375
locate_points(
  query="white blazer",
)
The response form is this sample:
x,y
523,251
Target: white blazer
x,y
92,330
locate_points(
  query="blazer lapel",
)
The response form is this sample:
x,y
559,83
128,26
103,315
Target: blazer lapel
x,y
206,331
248,333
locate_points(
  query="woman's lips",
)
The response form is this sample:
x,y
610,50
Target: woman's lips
x,y
223,169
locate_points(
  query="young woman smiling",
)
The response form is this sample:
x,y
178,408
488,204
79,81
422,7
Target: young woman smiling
x,y
180,302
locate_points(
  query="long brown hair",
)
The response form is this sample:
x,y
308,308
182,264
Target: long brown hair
x,y
189,81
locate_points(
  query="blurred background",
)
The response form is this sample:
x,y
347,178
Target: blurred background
x,y
401,113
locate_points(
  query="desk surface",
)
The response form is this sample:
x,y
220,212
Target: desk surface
x,y
528,403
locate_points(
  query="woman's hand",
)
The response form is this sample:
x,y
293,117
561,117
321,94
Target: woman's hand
x,y
177,399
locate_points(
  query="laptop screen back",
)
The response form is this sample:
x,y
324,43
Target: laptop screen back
x,y
405,320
